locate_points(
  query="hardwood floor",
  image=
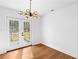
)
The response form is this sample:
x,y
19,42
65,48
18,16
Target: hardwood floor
x,y
39,51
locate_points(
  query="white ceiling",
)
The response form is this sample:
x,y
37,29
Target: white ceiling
x,y
43,6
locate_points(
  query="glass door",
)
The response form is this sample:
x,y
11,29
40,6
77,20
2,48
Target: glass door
x,y
26,31
14,33
19,33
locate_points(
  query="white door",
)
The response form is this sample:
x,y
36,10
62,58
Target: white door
x,y
26,33
14,33
19,33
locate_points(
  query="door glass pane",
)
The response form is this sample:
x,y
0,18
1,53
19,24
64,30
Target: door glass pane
x,y
26,31
14,30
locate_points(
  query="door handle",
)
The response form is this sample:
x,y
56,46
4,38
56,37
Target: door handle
x,y
22,33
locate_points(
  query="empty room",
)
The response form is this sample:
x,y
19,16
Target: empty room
x,y
38,29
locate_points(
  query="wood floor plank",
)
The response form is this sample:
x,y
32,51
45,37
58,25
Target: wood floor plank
x,y
39,51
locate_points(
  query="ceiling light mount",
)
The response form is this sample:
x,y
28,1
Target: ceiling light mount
x,y
52,10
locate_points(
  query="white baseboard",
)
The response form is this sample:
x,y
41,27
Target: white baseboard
x,y
2,52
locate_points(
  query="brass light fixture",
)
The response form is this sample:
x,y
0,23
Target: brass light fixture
x,y
28,13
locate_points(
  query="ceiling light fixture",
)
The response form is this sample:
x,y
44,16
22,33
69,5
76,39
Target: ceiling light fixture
x,y
28,13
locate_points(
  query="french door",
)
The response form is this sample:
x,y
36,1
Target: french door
x,y
25,32
19,33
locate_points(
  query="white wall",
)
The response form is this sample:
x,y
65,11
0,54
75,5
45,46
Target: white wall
x,y
4,37
36,31
4,42
60,29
